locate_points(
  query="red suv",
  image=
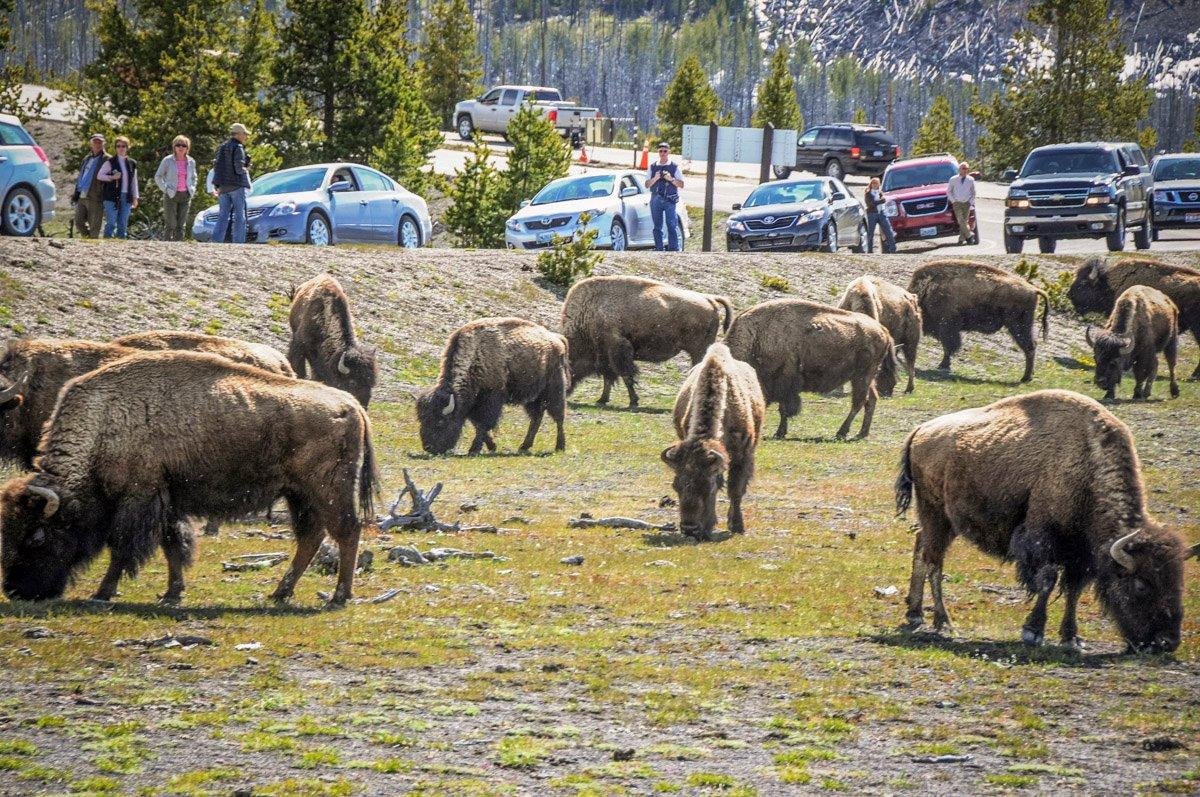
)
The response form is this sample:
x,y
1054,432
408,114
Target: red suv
x,y
916,187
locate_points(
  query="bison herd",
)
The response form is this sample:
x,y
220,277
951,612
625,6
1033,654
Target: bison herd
x,y
126,440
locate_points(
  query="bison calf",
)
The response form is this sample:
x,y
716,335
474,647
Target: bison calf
x,y
796,346
613,322
895,308
1051,481
958,296
323,337
718,417
489,363
135,446
1143,323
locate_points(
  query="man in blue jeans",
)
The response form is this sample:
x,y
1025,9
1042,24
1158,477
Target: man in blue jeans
x,y
665,179
231,179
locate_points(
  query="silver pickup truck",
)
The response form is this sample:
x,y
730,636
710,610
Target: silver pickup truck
x,y
491,112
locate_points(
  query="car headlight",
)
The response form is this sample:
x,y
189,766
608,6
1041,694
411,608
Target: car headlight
x,y
813,215
284,209
513,225
1098,196
1017,199
592,215
737,226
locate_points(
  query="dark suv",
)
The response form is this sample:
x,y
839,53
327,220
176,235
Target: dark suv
x,y
841,149
1083,190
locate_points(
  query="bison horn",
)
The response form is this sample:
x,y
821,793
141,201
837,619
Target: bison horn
x,y
449,406
1120,555
342,369
1087,335
52,500
13,391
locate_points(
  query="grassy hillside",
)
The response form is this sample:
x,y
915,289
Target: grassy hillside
x,y
767,663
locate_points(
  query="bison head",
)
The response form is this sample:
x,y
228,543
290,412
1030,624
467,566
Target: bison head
x,y
441,415
1140,584
1090,292
38,549
699,467
356,370
1111,352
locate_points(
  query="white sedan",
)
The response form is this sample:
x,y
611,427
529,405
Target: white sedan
x,y
617,206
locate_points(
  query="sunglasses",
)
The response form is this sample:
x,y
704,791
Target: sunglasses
x,y
122,146
181,146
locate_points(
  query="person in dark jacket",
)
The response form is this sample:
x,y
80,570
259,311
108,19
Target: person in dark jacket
x,y
231,179
88,194
876,217
664,178
120,178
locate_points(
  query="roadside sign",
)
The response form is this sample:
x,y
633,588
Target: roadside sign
x,y
739,145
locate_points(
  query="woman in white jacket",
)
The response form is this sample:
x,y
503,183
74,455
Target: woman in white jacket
x,y
176,178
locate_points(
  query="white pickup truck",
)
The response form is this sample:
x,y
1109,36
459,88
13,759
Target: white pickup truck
x,y
491,112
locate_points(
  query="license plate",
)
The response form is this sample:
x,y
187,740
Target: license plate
x,y
878,153
1191,218
544,237
927,232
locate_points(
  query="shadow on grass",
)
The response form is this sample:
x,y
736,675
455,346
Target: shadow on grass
x,y
1072,364
938,375
677,539
41,609
1009,652
583,405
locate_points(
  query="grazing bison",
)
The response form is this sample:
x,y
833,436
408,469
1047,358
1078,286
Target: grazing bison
x,y
1143,323
718,417
612,322
323,337
797,346
958,296
895,308
138,444
489,363
1098,284
259,355
1051,481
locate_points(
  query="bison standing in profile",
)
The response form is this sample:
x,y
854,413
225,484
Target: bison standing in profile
x,y
1051,481
718,418
259,355
1097,286
613,322
489,363
797,346
1143,323
135,446
323,337
895,308
958,296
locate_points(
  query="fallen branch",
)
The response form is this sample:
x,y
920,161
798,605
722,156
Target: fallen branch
x,y
619,523
420,515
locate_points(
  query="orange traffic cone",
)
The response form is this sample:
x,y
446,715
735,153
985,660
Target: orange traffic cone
x,y
583,158
645,156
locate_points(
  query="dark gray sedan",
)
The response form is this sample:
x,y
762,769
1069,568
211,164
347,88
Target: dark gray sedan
x,y
799,215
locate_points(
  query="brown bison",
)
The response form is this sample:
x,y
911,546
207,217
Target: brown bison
x,y
135,446
1049,480
1143,323
895,308
718,418
796,346
1098,284
259,355
958,296
489,363
323,337
612,322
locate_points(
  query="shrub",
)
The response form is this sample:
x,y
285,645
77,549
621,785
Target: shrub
x,y
1056,289
776,283
570,257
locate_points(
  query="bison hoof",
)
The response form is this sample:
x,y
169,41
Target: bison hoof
x,y
912,622
170,600
1075,644
1031,637
1027,378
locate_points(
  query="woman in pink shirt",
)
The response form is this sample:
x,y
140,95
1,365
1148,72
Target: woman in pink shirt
x,y
176,178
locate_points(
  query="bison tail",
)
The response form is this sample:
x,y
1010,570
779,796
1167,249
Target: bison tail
x,y
904,482
728,305
368,475
1045,314
887,368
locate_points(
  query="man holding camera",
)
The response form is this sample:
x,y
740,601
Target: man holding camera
x,y
664,179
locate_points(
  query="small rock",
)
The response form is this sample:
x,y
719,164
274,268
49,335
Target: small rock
x,y
661,563
553,666
407,555
243,793
37,633
941,759
667,501
468,506
1157,744
248,646
251,661
327,559
503,668
58,244
519,519
768,566
886,592
623,754
571,560
587,515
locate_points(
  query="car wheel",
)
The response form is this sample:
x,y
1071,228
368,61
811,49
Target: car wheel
x,y
782,172
1144,234
833,168
1013,244
466,128
1154,234
316,230
861,246
830,244
1047,245
975,233
1116,238
409,234
21,214
617,236
682,240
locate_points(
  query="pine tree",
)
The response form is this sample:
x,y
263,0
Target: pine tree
x,y
378,73
538,155
475,217
688,100
936,133
257,49
860,117
450,57
777,102
13,76
409,138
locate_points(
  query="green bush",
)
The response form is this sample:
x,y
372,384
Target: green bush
x,y
773,282
1056,289
570,257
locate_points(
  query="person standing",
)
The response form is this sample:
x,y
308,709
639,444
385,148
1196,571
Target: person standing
x,y
664,179
231,178
961,193
176,178
875,202
119,175
87,196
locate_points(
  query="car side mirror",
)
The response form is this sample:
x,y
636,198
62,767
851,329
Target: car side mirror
x,y
524,203
838,196
737,205
628,191
974,175
340,187
1131,171
1009,175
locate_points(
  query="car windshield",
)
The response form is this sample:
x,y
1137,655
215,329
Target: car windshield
x,y
1177,169
1069,161
289,182
785,193
924,174
598,187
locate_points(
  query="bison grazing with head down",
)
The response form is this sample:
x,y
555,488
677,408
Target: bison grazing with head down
x,y
259,355
718,418
135,446
1051,481
489,363
1098,284
797,346
612,322
958,296
323,337
1143,323
895,308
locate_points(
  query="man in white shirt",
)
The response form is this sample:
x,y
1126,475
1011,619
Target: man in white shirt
x,y
664,178
961,193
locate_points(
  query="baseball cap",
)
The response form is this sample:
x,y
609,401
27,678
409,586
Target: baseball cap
x,y
97,137
664,145
238,128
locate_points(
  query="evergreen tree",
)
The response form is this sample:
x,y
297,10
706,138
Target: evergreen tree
x,y
936,133
1078,96
688,100
450,57
1194,143
475,217
257,48
409,138
13,76
378,75
294,131
538,155
777,102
